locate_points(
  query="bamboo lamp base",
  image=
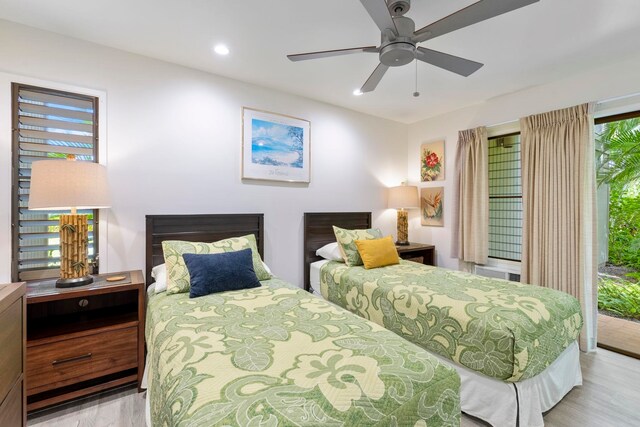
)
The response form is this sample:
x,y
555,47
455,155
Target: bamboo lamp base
x,y
74,262
403,228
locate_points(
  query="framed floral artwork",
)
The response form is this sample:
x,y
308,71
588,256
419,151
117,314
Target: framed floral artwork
x,y
275,147
432,206
432,161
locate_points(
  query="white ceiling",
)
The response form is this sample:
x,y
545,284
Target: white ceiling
x,y
543,42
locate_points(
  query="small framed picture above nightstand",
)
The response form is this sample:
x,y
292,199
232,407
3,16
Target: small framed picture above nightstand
x,y
418,252
85,339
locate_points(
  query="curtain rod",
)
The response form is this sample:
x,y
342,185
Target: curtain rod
x,y
601,104
618,98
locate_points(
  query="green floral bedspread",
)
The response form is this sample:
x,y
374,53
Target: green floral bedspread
x,y
501,329
278,356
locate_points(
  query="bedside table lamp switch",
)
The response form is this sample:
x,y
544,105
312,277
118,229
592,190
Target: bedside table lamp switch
x,y
401,198
69,184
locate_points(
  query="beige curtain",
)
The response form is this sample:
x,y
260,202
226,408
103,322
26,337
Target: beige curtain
x,y
471,203
559,243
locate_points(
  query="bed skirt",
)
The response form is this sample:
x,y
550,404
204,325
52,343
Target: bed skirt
x,y
521,403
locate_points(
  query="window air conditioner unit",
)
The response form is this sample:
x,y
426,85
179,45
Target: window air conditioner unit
x,y
497,273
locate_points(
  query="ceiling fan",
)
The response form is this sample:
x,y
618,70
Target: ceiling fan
x,y
399,37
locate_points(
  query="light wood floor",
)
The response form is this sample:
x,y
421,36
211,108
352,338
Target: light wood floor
x,y
610,397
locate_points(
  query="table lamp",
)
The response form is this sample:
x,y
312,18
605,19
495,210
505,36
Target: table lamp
x,y
401,198
70,184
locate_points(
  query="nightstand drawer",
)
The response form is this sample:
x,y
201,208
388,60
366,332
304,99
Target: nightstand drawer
x,y
79,359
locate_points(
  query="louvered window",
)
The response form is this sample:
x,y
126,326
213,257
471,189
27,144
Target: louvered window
x,y
47,124
505,198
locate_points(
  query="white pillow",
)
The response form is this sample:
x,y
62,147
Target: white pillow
x,y
159,273
330,251
266,267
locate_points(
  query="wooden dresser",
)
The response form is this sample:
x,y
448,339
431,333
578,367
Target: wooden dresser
x,y
83,340
12,355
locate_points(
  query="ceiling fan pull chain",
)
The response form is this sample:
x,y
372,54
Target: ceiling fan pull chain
x,y
416,93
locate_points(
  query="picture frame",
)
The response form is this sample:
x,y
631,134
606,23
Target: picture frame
x,y
275,147
432,161
432,206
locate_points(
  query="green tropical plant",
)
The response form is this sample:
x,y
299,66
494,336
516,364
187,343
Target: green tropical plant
x,y
619,297
619,167
624,226
619,152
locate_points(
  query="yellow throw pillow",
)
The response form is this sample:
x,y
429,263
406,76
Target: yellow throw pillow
x,y
378,252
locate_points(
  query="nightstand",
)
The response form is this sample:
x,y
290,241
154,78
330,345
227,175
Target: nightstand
x,y
83,340
417,252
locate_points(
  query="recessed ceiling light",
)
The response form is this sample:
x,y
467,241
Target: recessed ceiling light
x,y
221,49
357,92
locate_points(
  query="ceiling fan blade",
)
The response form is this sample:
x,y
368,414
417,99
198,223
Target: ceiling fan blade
x,y
374,78
329,53
378,11
477,12
455,64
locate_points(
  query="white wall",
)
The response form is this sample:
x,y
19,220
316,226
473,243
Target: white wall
x,y
173,145
606,82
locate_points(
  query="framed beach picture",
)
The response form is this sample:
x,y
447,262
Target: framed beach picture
x,y
432,206
275,147
432,161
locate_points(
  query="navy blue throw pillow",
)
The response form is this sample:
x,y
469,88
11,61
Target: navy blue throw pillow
x,y
227,271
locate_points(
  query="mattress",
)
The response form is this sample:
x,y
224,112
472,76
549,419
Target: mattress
x,y
314,275
501,329
276,355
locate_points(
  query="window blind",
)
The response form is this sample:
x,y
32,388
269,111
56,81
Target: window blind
x,y
46,124
505,198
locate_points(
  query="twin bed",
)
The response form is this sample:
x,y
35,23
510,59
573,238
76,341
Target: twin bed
x,y
276,355
513,345
419,344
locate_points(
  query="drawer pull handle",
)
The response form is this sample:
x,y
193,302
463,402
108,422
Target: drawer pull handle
x,y
71,359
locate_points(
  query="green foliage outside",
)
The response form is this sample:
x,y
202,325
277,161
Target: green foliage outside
x,y
619,167
624,226
619,152
619,297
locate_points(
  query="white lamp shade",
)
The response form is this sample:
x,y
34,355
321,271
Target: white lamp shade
x,y
403,197
66,184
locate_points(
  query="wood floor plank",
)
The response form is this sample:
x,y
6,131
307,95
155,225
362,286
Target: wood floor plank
x,y
609,397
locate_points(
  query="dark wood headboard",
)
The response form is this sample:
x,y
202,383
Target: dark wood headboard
x,y
318,231
197,228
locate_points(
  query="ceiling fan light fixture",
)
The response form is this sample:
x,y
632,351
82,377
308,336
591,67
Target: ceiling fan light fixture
x,y
221,49
357,92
